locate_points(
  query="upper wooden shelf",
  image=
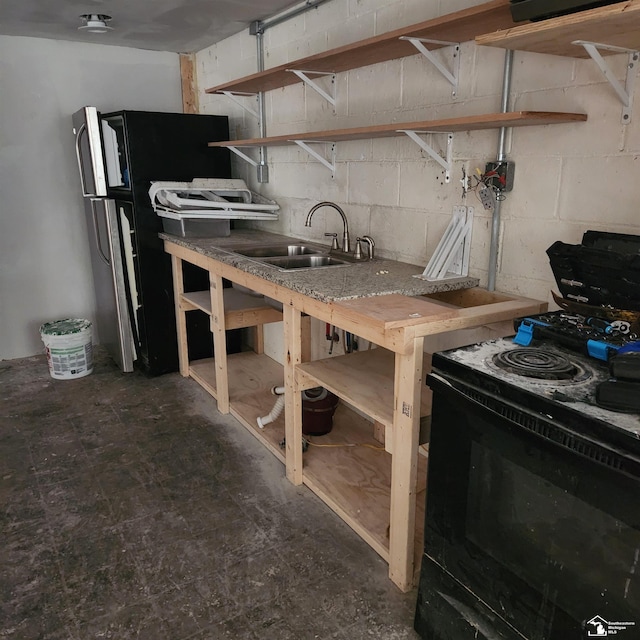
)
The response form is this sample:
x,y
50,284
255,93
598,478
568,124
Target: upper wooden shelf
x,y
459,26
617,25
465,123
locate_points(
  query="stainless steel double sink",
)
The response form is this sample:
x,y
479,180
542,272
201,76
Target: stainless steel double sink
x,y
294,256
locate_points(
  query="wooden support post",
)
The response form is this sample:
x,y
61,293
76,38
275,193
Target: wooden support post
x,y
305,337
404,464
218,328
181,320
379,431
293,401
189,83
258,338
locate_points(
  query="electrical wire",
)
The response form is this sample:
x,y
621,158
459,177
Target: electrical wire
x,y
347,444
487,181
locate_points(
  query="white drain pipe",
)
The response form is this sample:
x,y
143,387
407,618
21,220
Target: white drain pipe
x,y
276,410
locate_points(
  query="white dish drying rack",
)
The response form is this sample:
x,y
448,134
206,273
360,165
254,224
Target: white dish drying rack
x,y
210,198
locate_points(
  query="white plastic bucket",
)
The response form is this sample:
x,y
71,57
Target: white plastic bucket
x,y
69,348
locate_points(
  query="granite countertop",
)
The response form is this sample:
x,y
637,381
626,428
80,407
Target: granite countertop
x,y
359,280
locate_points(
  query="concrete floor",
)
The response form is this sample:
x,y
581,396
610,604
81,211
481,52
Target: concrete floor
x,y
130,508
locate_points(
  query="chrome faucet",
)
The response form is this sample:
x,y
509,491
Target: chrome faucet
x,y
345,235
372,247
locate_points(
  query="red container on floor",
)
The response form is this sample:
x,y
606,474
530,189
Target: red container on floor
x,y
318,407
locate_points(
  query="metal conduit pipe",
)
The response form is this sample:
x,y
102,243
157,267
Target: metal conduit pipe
x,y
495,220
262,25
257,29
263,167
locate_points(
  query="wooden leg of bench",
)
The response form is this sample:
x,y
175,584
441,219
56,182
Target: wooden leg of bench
x,y
306,338
218,328
181,320
293,399
258,338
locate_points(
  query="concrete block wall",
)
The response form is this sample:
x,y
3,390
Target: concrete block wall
x,y
569,177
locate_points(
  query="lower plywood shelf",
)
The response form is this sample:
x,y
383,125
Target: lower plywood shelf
x,y
251,377
354,481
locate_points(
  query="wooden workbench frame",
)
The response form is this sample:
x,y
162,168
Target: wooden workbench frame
x,y
394,322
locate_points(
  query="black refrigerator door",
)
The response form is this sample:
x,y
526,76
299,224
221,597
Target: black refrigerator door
x,y
171,146
161,146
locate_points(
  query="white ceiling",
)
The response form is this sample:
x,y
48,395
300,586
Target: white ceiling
x,y
183,26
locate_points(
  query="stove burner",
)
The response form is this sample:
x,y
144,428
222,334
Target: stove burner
x,y
536,363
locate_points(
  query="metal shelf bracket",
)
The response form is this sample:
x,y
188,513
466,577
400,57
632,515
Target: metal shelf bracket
x,y
451,257
304,76
232,96
451,76
329,164
243,155
445,162
624,93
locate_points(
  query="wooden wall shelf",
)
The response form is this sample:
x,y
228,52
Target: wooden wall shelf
x,y
616,25
459,26
465,123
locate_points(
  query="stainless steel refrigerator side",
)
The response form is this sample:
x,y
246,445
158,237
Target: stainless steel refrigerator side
x,y
86,127
126,349
112,317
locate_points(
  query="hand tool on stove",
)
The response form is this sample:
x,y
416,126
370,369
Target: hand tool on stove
x,y
599,324
610,313
621,325
572,331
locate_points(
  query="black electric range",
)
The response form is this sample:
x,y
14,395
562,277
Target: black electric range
x,y
532,525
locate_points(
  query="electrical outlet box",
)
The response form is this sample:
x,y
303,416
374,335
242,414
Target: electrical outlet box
x,y
487,197
503,180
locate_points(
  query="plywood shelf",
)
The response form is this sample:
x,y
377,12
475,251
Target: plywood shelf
x,y
459,26
251,377
355,480
617,25
464,123
364,379
241,309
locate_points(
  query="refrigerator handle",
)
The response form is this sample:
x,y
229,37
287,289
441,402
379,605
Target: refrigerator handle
x,y
96,232
81,130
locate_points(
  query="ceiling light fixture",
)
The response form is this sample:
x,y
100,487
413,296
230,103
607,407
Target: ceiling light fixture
x,y
95,23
